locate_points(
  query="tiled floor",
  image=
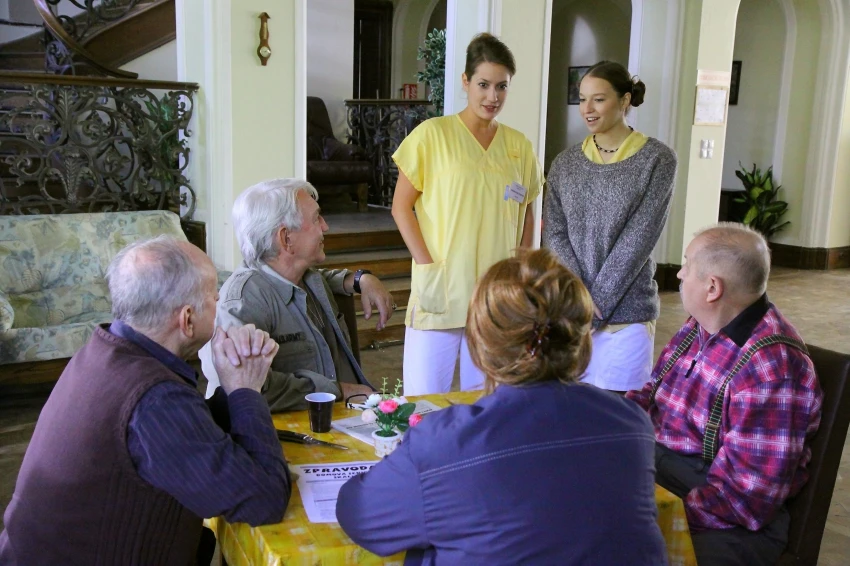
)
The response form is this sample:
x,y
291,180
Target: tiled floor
x,y
818,303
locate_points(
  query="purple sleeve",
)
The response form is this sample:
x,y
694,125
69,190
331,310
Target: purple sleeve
x,y
382,510
177,447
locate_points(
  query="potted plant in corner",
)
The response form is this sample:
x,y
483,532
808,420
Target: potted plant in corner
x,y
764,210
393,414
434,74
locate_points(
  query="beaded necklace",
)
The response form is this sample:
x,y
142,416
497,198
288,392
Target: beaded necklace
x,y
602,149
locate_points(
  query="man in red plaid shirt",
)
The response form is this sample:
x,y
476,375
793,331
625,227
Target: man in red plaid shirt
x,y
735,401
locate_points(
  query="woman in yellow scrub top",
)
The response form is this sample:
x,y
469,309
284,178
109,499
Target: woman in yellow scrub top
x,y
470,181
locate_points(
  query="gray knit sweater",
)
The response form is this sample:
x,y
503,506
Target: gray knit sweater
x,y
602,221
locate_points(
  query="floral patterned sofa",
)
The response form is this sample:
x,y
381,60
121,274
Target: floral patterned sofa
x,y
52,286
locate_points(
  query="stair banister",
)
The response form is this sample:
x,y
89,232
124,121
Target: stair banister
x,y
59,32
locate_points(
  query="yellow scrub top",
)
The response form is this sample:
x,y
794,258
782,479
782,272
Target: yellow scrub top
x,y
465,220
633,143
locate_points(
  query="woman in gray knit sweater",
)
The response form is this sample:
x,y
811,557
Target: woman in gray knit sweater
x,y
607,203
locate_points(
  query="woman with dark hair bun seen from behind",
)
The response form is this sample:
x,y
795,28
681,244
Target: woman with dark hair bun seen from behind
x,y
455,171
542,469
607,203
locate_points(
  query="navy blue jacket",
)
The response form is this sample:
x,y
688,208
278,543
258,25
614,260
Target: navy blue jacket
x,y
542,474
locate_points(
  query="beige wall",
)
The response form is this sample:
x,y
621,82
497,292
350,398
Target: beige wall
x,y
799,120
159,64
839,223
409,17
582,34
249,122
330,57
759,45
264,119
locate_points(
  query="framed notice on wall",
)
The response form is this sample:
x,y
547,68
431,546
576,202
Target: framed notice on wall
x,y
710,106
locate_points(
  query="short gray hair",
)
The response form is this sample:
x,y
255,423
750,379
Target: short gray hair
x,y
263,208
151,279
738,253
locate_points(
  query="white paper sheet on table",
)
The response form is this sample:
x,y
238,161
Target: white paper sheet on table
x,y
319,486
363,431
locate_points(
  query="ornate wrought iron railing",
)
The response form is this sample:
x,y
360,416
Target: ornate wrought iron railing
x,y
379,126
86,144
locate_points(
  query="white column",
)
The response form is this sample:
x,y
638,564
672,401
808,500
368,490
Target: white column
x,y
250,120
525,28
716,43
464,19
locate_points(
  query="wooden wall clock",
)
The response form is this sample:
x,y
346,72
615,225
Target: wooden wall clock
x,y
264,51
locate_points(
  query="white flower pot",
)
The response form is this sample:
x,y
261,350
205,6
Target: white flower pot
x,y
384,445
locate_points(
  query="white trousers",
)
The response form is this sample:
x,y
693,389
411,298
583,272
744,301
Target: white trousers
x,y
430,357
621,361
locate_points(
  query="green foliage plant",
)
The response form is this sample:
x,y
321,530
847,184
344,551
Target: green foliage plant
x,y
434,53
764,210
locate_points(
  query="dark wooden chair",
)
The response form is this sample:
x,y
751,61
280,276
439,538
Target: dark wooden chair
x,y
810,507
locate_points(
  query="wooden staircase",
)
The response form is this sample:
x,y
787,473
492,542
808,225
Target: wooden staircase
x,y
150,24
372,241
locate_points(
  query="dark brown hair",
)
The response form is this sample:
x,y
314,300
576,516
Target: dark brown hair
x,y
529,321
621,81
486,48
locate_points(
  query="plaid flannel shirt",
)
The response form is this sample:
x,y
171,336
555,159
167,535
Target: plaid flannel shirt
x,y
771,410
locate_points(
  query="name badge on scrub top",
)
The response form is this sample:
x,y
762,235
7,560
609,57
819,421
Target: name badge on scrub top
x,y
515,191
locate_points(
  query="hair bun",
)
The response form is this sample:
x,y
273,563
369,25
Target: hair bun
x,y
638,91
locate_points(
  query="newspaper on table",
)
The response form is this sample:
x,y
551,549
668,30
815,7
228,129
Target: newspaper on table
x,y
319,485
355,426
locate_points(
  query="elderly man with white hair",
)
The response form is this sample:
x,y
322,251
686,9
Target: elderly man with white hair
x,y
735,403
126,458
280,230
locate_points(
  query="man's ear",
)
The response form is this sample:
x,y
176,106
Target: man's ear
x,y
715,288
185,320
283,239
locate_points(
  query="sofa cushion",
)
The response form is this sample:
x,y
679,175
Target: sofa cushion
x,y
7,313
41,252
46,343
60,305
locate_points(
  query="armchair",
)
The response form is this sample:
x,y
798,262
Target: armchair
x,y
334,167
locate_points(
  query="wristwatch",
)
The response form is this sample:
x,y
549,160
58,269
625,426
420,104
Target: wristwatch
x,y
357,275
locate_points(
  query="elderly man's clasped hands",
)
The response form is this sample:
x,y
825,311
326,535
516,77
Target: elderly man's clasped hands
x,y
242,357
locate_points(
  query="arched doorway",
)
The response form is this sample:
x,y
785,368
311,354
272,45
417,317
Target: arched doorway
x,y
758,107
582,33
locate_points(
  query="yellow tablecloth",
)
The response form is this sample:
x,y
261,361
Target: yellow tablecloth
x,y
297,541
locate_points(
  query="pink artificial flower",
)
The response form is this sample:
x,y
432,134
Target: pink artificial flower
x,y
414,419
389,406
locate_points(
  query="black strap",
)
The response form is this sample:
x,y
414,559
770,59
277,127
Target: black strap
x,y
677,353
709,442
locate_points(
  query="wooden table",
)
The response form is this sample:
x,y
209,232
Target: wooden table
x,y
297,541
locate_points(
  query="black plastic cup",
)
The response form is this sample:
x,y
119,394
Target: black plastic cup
x,y
320,407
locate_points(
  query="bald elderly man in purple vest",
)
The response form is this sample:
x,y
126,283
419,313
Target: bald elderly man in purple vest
x,y
127,458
